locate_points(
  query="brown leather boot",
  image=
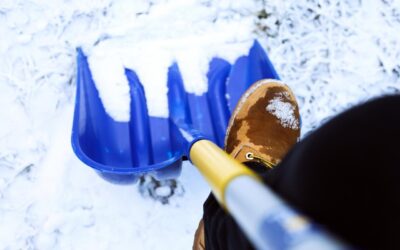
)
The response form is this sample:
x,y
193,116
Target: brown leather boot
x,y
265,124
199,241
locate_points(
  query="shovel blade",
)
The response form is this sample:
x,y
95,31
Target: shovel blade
x,y
122,151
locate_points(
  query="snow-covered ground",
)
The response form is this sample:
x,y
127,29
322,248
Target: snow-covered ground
x,y
333,53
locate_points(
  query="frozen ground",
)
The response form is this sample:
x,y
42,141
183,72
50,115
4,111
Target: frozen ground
x,y
333,54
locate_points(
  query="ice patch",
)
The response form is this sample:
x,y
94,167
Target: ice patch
x,y
284,111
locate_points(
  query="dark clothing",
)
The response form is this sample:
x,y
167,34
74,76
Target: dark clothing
x,y
345,176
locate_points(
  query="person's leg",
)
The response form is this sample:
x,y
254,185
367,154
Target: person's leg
x,y
346,175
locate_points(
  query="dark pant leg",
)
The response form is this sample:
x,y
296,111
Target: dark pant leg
x,y
345,176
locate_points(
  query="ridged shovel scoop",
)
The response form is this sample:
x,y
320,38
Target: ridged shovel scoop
x,y
122,151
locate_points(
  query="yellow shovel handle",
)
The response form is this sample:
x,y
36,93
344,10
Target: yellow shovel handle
x,y
218,168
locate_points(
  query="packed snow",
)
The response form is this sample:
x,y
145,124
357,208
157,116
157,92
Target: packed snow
x,y
153,42
108,73
333,54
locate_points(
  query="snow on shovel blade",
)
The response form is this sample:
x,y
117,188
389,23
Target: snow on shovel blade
x,y
122,151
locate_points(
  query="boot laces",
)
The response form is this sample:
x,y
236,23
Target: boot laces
x,y
252,157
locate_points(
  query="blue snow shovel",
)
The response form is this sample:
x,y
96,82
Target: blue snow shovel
x,y
194,130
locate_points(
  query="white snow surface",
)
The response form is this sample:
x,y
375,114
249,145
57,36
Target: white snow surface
x,y
333,54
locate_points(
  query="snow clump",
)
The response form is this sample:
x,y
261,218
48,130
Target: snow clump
x,y
284,111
